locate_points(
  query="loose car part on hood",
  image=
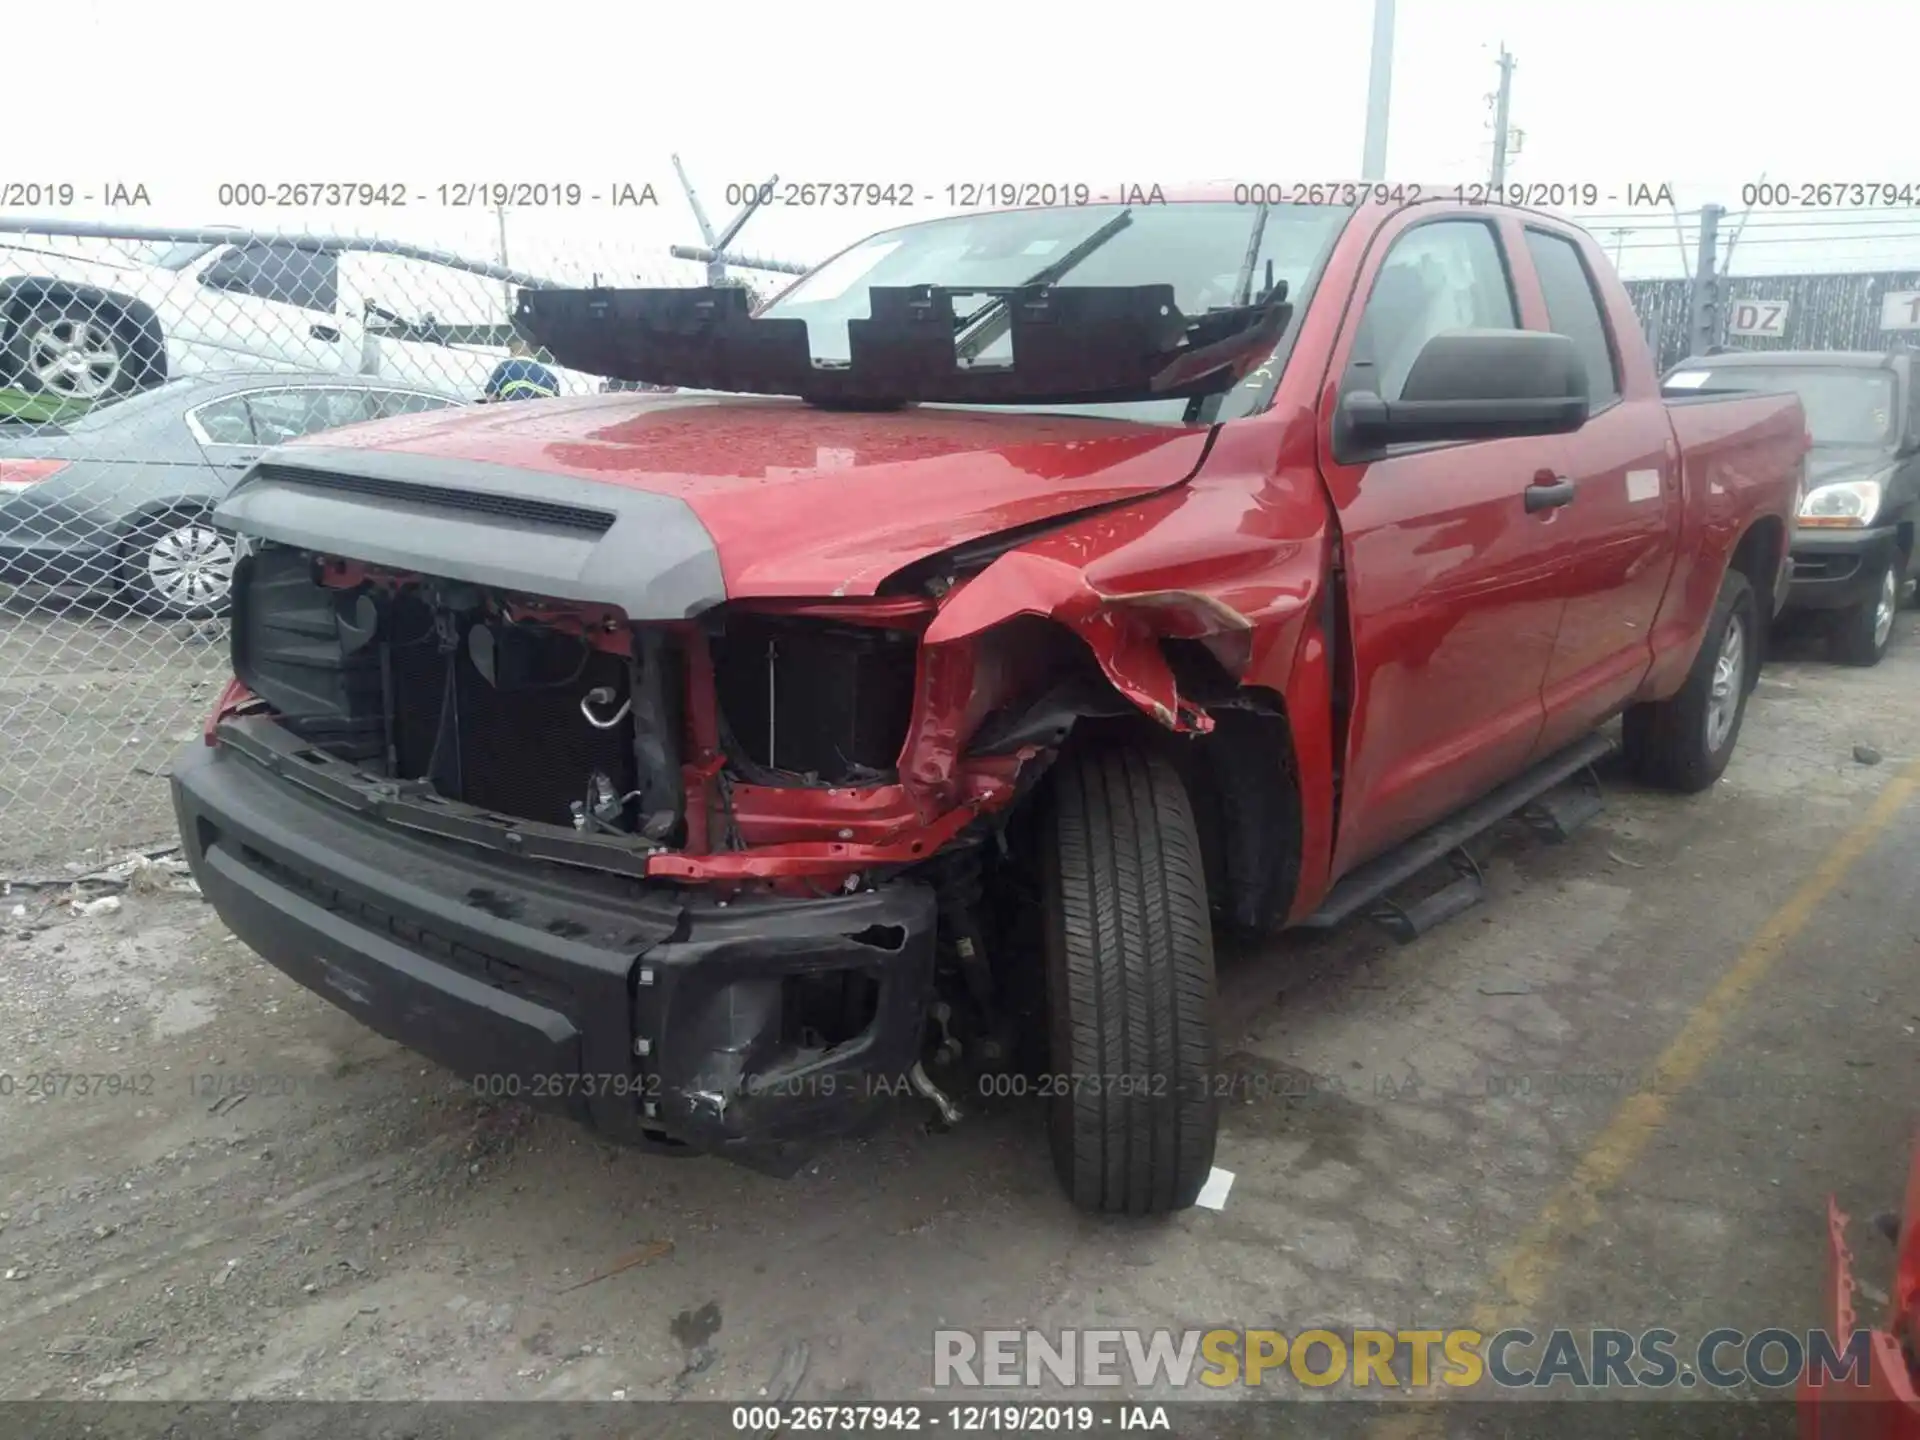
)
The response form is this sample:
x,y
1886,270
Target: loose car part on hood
x,y
1072,345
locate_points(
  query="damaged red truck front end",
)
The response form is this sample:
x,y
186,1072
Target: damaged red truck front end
x,y
698,851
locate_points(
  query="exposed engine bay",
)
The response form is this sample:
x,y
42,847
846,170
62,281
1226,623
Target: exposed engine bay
x,y
669,738
755,753
561,732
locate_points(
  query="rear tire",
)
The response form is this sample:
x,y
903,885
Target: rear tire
x,y
1130,985
1860,635
78,351
1684,743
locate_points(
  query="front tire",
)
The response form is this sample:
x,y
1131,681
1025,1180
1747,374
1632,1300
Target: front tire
x,y
178,566
1132,1115
1860,634
1684,743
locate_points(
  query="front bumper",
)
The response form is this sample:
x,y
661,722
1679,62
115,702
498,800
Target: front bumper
x,y
658,1016
1838,569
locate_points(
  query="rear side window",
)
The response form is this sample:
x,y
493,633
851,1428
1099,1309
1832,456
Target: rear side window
x,y
1573,309
271,270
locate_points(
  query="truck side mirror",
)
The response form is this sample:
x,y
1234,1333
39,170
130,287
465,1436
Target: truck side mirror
x,y
1473,385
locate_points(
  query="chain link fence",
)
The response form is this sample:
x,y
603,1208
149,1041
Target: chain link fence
x,y
140,374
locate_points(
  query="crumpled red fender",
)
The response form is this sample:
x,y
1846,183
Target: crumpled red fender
x,y
1122,631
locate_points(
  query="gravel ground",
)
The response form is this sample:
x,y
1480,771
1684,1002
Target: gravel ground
x,y
93,704
272,1202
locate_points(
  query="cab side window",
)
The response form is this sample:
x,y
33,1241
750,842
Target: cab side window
x,y
1573,309
1447,275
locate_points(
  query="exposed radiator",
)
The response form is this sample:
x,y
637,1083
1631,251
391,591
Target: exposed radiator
x,y
527,754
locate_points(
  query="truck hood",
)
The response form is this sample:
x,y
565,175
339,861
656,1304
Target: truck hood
x,y
1831,464
699,498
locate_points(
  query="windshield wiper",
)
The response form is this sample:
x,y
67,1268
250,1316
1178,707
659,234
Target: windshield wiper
x,y
990,321
1243,285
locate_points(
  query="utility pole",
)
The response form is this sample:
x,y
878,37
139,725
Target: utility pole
x,y
1618,236
1500,134
1703,308
1373,164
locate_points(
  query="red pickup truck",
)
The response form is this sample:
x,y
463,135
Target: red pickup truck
x,y
1013,602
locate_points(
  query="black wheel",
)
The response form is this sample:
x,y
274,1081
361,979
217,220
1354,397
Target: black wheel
x,y
178,565
77,350
1129,966
1860,635
1683,743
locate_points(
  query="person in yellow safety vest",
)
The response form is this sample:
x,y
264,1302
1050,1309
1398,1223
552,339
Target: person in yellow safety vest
x,y
520,376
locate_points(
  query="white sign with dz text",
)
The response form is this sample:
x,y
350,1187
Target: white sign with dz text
x,y
1762,318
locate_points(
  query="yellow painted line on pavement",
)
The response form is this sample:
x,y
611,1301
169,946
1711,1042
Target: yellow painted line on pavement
x,y
1520,1279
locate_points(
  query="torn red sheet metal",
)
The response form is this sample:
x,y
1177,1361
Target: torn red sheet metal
x,y
1122,631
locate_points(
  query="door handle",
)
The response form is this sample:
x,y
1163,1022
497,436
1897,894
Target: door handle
x,y
1549,494
323,332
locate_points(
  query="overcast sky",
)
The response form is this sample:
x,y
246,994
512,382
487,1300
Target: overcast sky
x,y
1704,96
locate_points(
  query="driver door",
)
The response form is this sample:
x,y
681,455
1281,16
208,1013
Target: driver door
x,y
1451,586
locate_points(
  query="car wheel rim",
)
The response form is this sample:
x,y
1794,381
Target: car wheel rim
x,y
1729,679
191,568
1884,607
74,357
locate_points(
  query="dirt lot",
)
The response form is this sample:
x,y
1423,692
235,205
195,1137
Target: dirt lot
x,y
1418,1138
93,704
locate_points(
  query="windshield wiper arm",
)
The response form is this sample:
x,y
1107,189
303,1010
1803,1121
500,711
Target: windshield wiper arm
x,y
1243,286
990,321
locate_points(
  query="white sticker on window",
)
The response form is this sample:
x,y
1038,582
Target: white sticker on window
x,y
1687,380
1642,485
1041,247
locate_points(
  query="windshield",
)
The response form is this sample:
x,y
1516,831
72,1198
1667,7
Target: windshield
x,y
1200,250
1845,405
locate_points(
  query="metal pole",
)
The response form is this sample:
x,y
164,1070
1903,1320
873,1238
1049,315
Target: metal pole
x,y
1373,165
742,262
1703,310
1500,119
506,289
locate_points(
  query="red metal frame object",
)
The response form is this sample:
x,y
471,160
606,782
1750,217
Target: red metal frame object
x,y
1883,1403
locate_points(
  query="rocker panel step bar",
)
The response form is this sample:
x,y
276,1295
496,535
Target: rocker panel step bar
x,y
1373,880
